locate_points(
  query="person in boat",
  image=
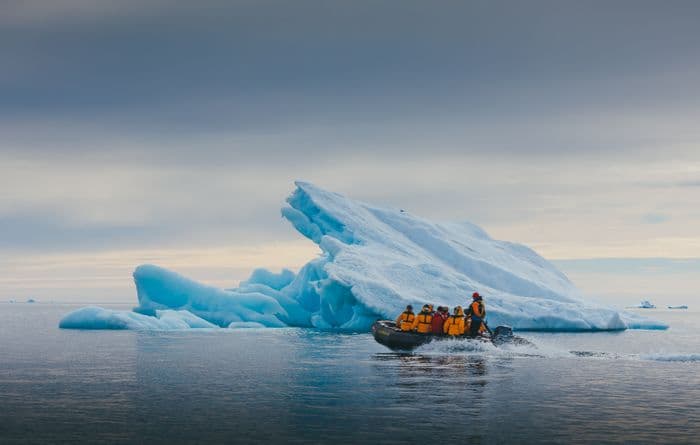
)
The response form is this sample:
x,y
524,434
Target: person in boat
x,y
445,314
439,320
423,323
454,325
405,320
476,313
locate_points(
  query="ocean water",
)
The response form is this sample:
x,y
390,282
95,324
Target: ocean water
x,y
305,386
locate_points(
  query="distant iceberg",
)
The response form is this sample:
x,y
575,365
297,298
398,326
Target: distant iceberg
x,y
646,304
374,261
683,306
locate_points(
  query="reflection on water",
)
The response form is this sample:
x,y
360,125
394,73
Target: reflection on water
x,y
301,386
451,394
415,370
451,388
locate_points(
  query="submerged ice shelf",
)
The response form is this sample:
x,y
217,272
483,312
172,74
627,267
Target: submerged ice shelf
x,y
374,261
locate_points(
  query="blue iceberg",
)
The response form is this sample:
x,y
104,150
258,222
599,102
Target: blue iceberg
x,y
93,317
374,261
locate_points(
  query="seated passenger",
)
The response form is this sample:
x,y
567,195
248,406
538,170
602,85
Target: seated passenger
x,y
424,321
439,320
405,320
454,325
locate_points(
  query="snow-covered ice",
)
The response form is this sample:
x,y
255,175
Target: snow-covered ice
x,y
374,261
93,317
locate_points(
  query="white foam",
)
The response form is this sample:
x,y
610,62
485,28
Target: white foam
x,y
672,357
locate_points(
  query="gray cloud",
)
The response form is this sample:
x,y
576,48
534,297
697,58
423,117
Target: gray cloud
x,y
144,123
252,65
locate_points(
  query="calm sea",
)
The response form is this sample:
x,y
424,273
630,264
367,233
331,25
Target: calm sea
x,y
305,386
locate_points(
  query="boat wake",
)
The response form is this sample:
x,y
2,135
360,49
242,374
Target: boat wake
x,y
481,348
671,357
540,351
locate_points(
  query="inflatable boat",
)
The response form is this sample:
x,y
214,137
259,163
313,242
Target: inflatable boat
x,y
387,333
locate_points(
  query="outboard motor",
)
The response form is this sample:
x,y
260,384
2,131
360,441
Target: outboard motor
x,y
502,334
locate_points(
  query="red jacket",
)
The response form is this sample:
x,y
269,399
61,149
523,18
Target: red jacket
x,y
438,321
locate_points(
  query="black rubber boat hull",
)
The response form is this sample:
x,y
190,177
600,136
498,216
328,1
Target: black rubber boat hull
x,y
386,333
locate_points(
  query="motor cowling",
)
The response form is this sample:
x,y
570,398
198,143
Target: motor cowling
x,y
503,333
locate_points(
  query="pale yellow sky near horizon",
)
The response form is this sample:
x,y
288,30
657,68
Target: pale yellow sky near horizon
x,y
582,210
106,275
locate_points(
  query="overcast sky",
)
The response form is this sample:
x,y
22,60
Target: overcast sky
x,y
171,132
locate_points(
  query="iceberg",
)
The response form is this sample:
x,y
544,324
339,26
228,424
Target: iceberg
x,y
374,262
93,317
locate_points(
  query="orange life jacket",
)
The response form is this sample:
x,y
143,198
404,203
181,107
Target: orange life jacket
x,y
454,325
405,321
477,309
423,323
